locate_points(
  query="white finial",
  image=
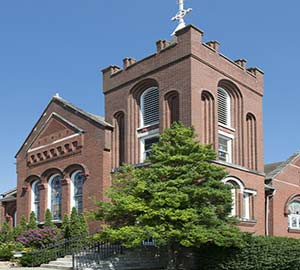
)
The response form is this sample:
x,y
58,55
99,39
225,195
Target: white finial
x,y
57,95
180,16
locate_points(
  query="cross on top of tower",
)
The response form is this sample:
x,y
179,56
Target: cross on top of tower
x,y
180,16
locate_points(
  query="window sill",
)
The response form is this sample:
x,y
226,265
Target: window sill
x,y
226,127
148,132
293,230
54,221
225,162
247,222
147,127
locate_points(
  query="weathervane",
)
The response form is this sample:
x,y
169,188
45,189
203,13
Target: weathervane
x,y
180,16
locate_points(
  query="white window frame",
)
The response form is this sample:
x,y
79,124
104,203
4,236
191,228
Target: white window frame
x,y
33,209
248,193
72,189
142,107
296,216
228,105
233,207
246,206
233,192
49,195
142,138
229,139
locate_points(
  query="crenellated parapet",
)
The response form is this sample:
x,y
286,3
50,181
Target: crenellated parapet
x,y
188,42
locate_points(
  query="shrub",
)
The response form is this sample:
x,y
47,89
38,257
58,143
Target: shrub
x,y
83,224
31,260
32,225
260,253
23,223
75,228
75,225
65,227
7,249
6,233
48,219
17,232
40,238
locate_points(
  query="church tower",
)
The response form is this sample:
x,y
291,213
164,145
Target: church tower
x,y
189,80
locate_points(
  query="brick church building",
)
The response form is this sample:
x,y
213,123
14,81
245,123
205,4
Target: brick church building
x,y
67,159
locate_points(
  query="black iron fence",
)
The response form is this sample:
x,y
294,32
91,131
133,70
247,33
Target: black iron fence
x,y
92,254
54,251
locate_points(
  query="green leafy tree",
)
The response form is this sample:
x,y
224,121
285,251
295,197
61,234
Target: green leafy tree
x,y
179,199
65,227
32,225
23,224
48,219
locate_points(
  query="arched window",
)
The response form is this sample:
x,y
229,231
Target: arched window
x,y
237,188
77,180
208,105
224,107
119,139
172,108
149,115
35,199
251,141
55,196
294,214
242,199
149,107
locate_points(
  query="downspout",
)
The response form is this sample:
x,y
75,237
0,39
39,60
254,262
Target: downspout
x,y
268,212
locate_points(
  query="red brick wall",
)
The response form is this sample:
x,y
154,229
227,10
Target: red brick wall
x,y
190,67
287,184
92,154
7,212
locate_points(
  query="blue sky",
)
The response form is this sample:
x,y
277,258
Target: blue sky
x,y
61,45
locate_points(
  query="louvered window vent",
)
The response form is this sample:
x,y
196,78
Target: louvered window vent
x,y
150,107
223,107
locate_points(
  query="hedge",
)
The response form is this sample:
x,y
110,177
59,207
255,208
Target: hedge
x,y
260,253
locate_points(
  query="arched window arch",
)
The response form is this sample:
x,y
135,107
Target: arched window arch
x,y
149,107
251,141
119,139
77,181
208,103
237,188
55,196
242,199
35,198
135,124
172,108
294,214
224,107
231,122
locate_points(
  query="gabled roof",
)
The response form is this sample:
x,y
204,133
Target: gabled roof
x,y
65,104
97,118
8,193
273,169
9,196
